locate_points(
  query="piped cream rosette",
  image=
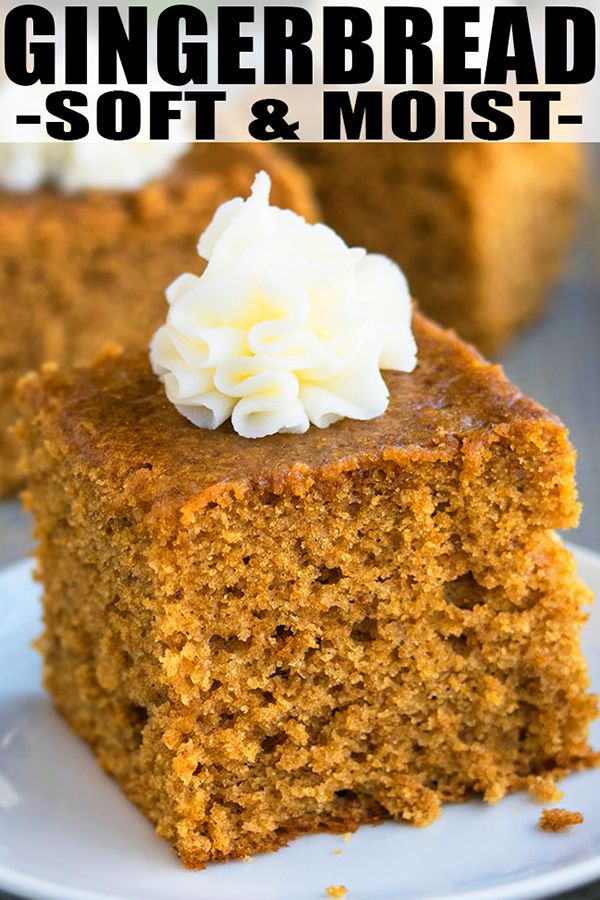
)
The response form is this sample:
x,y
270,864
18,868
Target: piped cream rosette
x,y
286,326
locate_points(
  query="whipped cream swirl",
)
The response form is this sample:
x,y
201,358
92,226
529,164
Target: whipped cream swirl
x,y
287,325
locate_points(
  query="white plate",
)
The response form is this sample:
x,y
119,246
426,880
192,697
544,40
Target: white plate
x,y
67,833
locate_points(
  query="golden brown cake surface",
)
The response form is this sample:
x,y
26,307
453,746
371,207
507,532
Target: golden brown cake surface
x,y
263,638
79,271
480,229
455,405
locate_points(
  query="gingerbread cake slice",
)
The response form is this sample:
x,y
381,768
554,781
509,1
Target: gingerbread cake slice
x,y
82,269
259,638
481,230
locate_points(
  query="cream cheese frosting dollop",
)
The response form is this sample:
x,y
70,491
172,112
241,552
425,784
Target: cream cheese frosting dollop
x,y
72,167
286,326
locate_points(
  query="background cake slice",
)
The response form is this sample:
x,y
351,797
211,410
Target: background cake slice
x,y
80,270
262,638
481,230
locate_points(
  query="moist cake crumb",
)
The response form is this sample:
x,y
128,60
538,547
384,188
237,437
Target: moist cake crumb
x,y
558,819
544,788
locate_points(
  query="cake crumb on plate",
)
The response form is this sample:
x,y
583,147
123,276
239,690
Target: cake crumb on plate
x,y
336,890
558,819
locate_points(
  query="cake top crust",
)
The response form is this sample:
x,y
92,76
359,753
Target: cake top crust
x,y
114,417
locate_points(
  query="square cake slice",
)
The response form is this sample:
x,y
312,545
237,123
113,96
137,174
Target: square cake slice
x,y
481,230
264,638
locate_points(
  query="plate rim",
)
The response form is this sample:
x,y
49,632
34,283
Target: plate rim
x,y
534,887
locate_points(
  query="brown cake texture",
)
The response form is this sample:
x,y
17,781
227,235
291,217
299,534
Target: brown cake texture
x,y
79,271
304,632
480,230
555,820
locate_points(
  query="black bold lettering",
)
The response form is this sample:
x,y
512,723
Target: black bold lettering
x,y
457,45
511,22
413,115
114,106
161,113
205,102
336,43
76,44
60,104
454,115
16,50
485,104
399,44
281,41
231,43
583,23
195,66
367,113
129,46
540,112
